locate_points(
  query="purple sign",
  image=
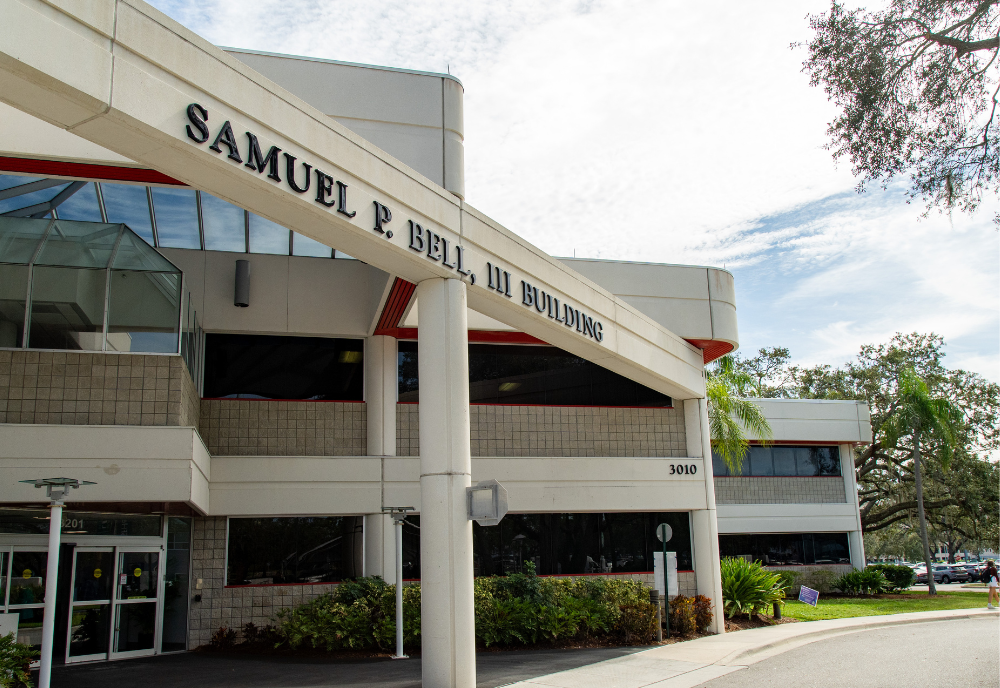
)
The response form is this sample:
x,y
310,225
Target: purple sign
x,y
808,595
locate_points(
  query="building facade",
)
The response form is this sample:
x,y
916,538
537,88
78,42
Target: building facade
x,y
184,322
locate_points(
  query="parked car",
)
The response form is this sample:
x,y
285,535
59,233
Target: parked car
x,y
959,574
942,574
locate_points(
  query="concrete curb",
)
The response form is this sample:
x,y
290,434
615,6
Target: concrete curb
x,y
691,663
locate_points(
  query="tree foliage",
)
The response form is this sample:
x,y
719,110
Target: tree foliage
x,y
915,85
731,415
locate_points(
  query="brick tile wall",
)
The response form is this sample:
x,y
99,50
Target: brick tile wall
x,y
765,490
68,388
559,431
233,607
236,427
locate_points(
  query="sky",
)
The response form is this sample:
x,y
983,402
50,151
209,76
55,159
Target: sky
x,y
669,132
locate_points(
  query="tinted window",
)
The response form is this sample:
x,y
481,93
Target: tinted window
x,y
787,549
503,374
563,544
785,461
264,367
324,549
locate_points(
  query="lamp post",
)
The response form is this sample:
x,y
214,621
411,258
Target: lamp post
x,y
398,514
55,490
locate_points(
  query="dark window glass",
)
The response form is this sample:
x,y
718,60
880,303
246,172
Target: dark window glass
x,y
294,550
502,374
175,584
136,628
90,630
565,544
36,522
13,293
266,367
138,572
788,549
29,627
27,577
785,461
761,461
93,576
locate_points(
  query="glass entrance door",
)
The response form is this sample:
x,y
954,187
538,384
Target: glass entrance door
x,y
136,603
90,607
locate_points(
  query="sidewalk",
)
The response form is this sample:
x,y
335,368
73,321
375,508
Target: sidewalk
x,y
688,664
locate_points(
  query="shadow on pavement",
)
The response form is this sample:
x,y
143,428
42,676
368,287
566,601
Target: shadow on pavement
x,y
190,670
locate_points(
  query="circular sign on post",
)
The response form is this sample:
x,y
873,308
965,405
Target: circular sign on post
x,y
664,532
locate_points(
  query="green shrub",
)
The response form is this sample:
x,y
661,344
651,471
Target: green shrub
x,y
703,613
748,588
682,616
15,662
788,580
520,609
899,577
864,582
223,639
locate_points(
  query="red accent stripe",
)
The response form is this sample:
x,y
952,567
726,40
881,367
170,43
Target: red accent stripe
x,y
711,348
57,168
311,401
395,307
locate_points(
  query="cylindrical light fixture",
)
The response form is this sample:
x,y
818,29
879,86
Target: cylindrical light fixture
x,y
242,295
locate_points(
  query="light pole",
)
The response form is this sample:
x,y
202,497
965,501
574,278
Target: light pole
x,y
398,514
55,490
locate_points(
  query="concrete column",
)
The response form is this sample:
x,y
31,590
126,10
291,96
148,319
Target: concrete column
x,y
704,522
380,552
854,537
380,403
380,395
447,630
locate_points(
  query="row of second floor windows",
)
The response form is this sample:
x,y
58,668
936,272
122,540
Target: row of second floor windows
x,y
326,369
803,461
165,217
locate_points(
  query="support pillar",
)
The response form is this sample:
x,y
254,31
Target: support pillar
x,y
855,538
704,522
448,632
380,403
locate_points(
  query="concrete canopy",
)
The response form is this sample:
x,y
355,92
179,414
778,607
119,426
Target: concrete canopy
x,y
122,75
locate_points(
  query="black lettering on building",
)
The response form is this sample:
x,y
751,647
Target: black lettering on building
x,y
446,251
324,188
382,216
227,139
416,236
257,162
342,200
528,294
290,174
460,260
433,245
198,117
598,331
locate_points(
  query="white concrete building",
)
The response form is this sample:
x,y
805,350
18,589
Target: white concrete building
x,y
256,313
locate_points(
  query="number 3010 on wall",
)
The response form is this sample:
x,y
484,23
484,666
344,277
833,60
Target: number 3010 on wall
x,y
683,469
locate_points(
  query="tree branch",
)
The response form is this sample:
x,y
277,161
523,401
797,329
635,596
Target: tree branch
x,y
963,47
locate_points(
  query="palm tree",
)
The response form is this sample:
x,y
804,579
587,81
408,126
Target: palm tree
x,y
731,414
920,415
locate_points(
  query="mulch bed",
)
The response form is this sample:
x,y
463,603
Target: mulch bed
x,y
744,623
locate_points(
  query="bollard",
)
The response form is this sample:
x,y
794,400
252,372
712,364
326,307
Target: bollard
x,y
654,599
777,611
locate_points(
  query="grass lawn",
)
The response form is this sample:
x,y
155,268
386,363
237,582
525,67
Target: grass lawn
x,y
844,607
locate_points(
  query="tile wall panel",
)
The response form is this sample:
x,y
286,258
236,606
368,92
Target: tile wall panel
x,y
559,431
765,490
237,427
69,388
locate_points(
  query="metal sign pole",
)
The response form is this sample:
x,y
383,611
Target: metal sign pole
x,y
398,514
55,489
664,532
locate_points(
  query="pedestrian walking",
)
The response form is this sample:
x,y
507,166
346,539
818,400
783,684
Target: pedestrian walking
x,y
992,579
